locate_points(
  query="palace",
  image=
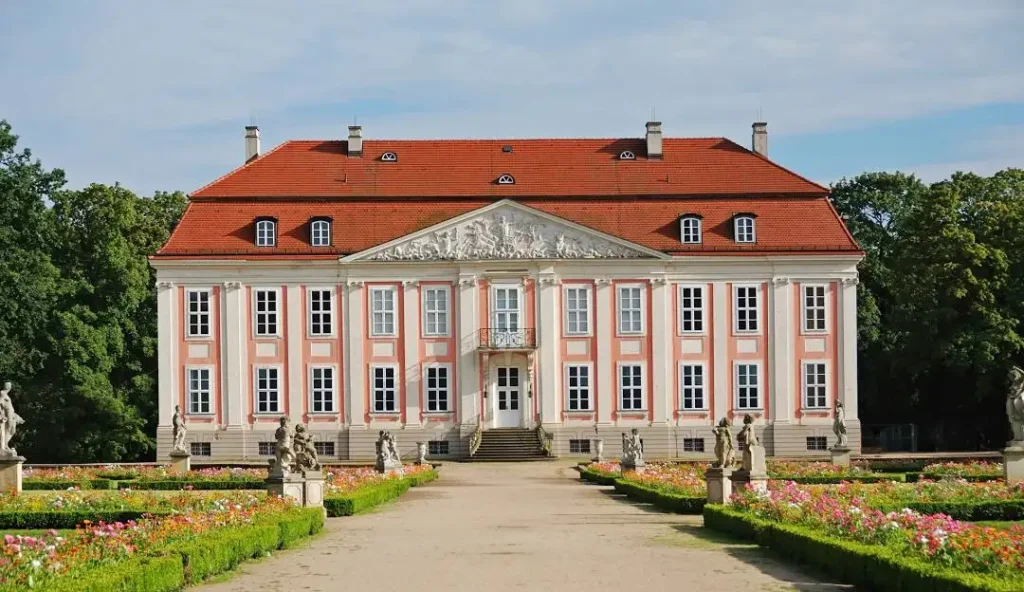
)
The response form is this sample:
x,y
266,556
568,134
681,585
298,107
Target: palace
x,y
435,288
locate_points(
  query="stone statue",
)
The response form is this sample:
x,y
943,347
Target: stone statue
x,y
725,450
747,434
1015,404
284,452
388,458
305,453
839,426
632,450
9,421
178,431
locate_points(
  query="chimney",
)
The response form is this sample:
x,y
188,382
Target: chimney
x,y
653,139
252,142
759,139
355,140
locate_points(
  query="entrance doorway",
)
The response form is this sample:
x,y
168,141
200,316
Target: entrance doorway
x,y
507,397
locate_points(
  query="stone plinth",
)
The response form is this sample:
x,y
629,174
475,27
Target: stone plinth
x,y
598,450
290,485
10,474
754,460
743,479
313,489
841,455
719,484
391,466
181,462
1013,462
635,465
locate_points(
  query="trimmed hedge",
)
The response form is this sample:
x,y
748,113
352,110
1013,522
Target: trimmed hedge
x,y
971,478
1002,510
67,520
816,480
33,484
680,504
596,477
872,567
197,484
366,498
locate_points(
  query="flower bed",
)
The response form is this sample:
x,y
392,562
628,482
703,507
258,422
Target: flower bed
x,y
142,477
970,471
365,490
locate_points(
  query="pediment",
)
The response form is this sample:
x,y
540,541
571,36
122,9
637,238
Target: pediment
x,y
505,230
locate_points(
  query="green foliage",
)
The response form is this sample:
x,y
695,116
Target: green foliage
x,y
144,574
597,477
65,519
679,504
1004,510
366,498
198,484
62,484
824,480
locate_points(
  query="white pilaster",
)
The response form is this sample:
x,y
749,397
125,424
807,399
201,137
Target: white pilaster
x,y
662,330
233,336
847,327
780,349
167,347
468,335
296,369
355,369
411,336
720,326
549,345
605,370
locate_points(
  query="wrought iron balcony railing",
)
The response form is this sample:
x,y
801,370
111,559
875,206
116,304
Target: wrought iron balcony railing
x,y
508,339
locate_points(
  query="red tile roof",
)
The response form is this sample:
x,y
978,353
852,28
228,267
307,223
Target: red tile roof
x,y
541,168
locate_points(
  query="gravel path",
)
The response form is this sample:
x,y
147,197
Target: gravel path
x,y
529,526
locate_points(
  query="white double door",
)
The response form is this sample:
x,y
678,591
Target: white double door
x,y
508,396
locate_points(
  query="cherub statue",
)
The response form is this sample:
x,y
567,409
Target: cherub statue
x,y
9,421
839,425
725,450
747,434
305,451
284,453
632,449
178,430
1015,404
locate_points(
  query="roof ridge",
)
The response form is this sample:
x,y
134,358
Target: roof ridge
x,y
510,139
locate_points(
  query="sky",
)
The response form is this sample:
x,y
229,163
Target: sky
x,y
155,95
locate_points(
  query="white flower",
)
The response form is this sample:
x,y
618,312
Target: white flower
x,y
36,563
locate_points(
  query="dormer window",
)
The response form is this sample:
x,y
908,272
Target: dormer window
x,y
266,232
506,180
743,228
627,155
389,157
320,232
690,229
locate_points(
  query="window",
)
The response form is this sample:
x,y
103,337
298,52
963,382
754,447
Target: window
x,y
506,180
578,386
268,397
321,313
693,444
689,230
267,448
814,385
817,443
691,380
748,391
506,309
266,313
324,448
266,232
200,449
691,309
577,311
321,389
630,311
577,446
746,309
437,447
814,308
435,312
320,233
382,311
198,313
389,157
199,390
627,155
631,392
743,228
437,386
384,394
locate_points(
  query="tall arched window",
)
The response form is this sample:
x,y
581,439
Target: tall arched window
x,y
320,232
743,228
266,232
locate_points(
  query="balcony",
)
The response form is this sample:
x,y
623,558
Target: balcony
x,y
508,339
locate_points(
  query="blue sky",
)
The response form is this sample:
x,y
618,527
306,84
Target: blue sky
x,y
155,95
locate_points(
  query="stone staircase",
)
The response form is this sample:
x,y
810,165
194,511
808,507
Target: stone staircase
x,y
509,445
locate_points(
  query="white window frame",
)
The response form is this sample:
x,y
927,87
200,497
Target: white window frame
x,y
619,310
272,234
210,391
310,325
703,385
694,221
701,310
333,390
804,317
277,313
759,385
384,313
209,313
824,386
643,386
585,311
736,309
395,389
313,232
447,312
447,390
520,309
589,388
256,389
743,237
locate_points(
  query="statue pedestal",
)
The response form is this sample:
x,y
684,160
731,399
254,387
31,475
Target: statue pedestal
x,y
598,450
289,485
1013,462
181,462
421,453
841,456
743,479
635,465
391,466
754,460
10,474
313,489
719,484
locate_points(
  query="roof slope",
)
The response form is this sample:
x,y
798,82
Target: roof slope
x,y
541,168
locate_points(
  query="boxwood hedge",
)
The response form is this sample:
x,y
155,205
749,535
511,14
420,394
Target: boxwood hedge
x,y
363,499
672,502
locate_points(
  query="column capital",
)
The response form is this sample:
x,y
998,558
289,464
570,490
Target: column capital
x,y
232,285
355,283
659,281
467,281
164,285
550,280
780,281
603,281
410,283
851,281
